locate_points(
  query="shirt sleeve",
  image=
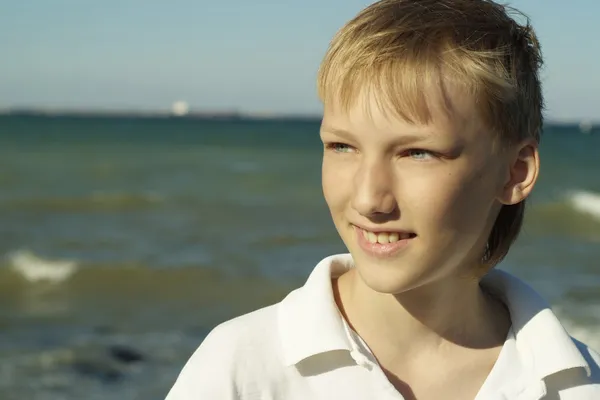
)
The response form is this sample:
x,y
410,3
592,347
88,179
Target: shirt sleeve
x,y
214,371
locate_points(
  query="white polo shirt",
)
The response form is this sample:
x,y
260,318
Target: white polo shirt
x,y
303,349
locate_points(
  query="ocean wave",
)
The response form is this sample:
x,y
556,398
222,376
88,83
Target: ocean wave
x,y
36,269
96,201
585,202
589,335
31,281
589,332
576,213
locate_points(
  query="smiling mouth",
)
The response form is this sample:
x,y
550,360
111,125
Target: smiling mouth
x,y
385,237
383,244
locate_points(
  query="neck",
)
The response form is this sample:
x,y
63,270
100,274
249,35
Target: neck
x,y
448,313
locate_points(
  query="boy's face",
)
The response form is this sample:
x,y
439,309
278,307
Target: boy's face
x,y
438,184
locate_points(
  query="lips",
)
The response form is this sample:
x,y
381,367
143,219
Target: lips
x,y
385,237
383,243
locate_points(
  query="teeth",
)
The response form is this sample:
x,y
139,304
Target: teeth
x,y
372,237
383,238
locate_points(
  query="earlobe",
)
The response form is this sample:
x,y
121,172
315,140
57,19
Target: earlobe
x,y
523,173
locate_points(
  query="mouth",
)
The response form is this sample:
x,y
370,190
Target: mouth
x,y
382,243
385,237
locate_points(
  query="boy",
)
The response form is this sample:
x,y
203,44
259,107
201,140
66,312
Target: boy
x,y
432,118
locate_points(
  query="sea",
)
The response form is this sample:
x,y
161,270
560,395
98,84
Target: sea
x,y
125,240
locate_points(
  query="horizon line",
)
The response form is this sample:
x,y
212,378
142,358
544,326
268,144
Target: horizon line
x,y
200,113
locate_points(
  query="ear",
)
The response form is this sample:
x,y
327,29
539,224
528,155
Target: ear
x,y
523,171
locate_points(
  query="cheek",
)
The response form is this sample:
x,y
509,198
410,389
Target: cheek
x,y
334,184
457,202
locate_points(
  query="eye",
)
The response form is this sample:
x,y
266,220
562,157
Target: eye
x,y
340,147
420,154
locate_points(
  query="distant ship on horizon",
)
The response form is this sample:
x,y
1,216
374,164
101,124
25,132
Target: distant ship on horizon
x,y
586,126
180,108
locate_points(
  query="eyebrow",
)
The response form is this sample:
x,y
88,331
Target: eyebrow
x,y
403,139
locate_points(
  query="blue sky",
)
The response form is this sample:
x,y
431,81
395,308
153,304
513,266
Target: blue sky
x,y
252,56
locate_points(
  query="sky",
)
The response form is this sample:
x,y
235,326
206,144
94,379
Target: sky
x,y
222,55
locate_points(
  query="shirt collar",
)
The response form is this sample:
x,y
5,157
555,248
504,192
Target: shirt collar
x,y
310,322
542,341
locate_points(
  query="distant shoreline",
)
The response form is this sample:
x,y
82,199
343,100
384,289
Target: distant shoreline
x,y
154,115
198,115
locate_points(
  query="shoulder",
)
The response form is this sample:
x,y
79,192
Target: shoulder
x,y
576,384
231,358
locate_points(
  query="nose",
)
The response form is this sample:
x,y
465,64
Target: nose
x,y
373,190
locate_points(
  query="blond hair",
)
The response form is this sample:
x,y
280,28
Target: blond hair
x,y
402,49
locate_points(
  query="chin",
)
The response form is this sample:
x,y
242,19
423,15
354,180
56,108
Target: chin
x,y
390,276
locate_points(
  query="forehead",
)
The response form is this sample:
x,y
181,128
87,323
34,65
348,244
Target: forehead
x,y
448,113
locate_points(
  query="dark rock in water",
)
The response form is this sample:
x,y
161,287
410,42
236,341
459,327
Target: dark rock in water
x,y
125,354
99,370
108,364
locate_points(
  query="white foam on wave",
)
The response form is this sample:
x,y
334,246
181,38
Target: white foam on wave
x,y
587,335
36,269
585,202
588,332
